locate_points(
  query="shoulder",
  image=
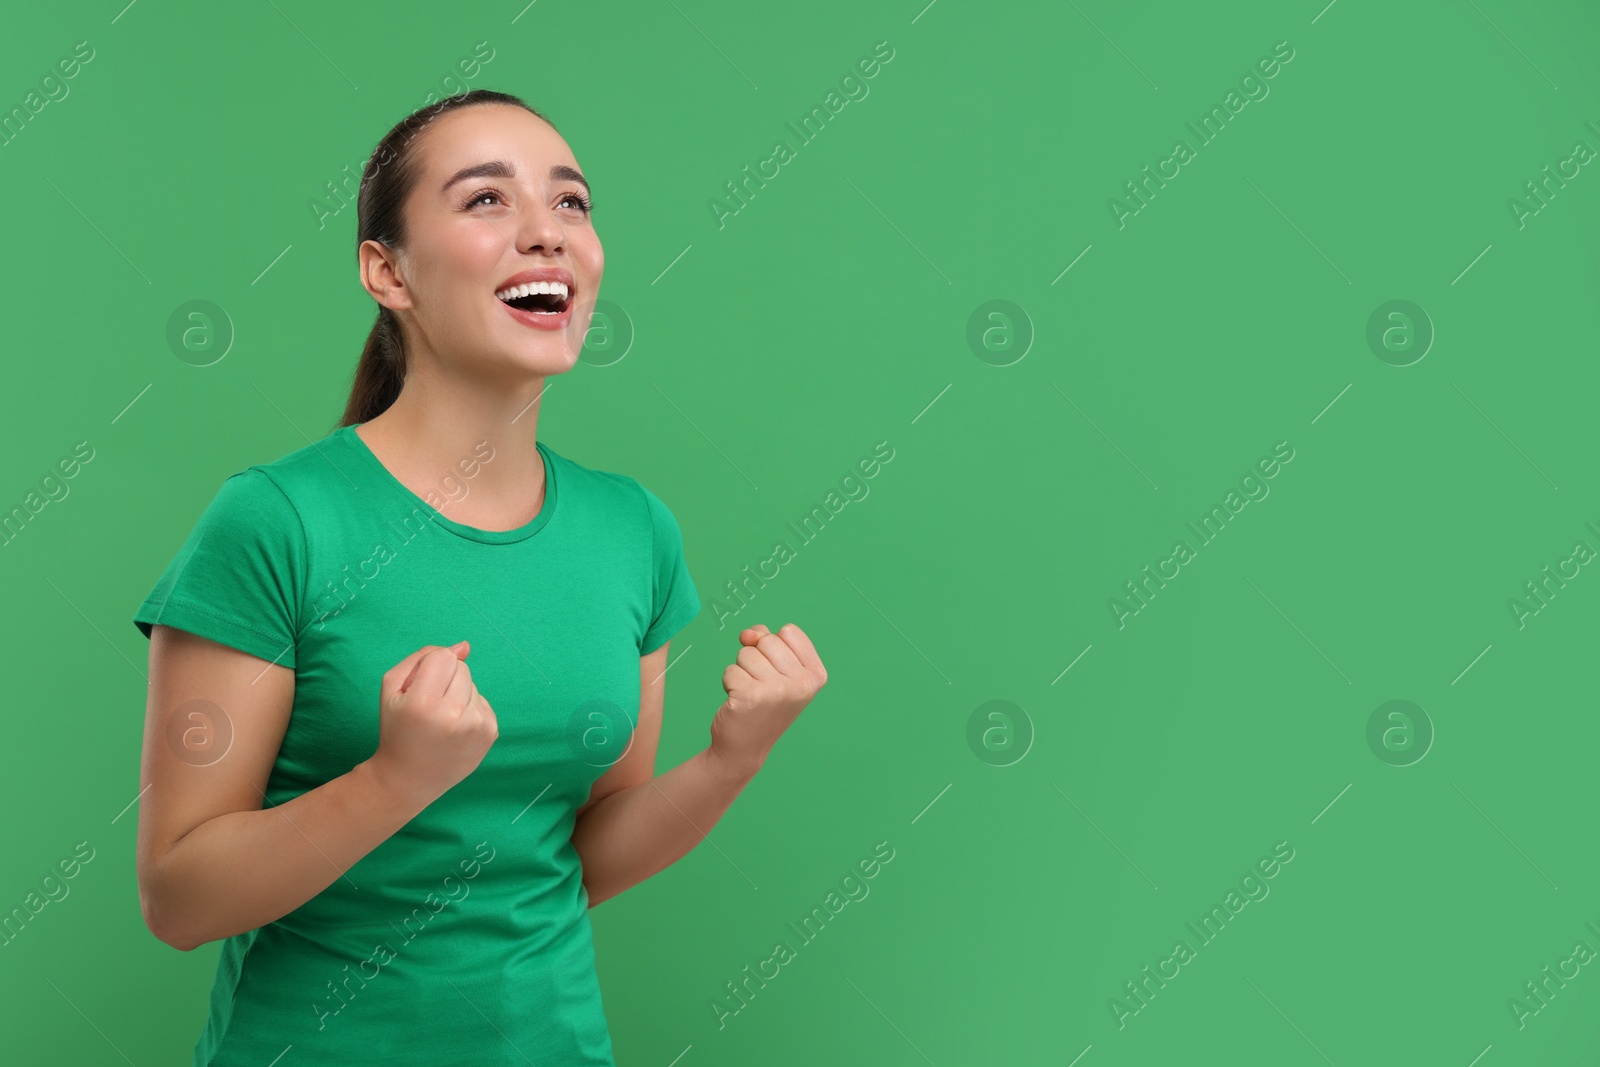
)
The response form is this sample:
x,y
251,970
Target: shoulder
x,y
619,504
274,501
264,491
612,491
300,487
248,524
251,498
326,461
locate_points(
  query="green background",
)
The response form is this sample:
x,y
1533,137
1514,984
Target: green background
x,y
833,312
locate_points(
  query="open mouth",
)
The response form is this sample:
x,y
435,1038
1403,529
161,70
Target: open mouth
x,y
539,298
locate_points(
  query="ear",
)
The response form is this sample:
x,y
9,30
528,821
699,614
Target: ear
x,y
381,270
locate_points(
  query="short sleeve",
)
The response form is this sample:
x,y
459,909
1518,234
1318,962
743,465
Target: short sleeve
x,y
674,599
238,578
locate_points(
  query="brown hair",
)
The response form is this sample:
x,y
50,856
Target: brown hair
x,y
386,183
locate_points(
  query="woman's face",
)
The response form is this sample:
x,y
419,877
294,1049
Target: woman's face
x,y
498,204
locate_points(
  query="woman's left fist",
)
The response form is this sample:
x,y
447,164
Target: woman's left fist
x,y
772,680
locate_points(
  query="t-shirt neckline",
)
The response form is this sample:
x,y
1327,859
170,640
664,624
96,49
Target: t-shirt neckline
x,y
472,533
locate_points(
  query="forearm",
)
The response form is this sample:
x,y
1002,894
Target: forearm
x,y
242,870
631,834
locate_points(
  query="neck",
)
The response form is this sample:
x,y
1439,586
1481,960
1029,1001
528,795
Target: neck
x,y
437,446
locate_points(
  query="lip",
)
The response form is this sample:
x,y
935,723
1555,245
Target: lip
x,y
540,320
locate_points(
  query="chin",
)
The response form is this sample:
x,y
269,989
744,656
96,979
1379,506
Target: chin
x,y
554,356
524,365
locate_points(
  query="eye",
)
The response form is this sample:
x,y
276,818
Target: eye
x,y
585,204
472,200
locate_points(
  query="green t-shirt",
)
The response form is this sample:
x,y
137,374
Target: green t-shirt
x,y
465,937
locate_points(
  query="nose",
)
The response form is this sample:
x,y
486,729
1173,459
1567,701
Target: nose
x,y
540,230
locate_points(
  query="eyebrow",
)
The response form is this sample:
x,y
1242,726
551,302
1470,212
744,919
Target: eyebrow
x,y
496,168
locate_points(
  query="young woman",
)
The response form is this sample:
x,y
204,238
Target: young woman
x,y
399,848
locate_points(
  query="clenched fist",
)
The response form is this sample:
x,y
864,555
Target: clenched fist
x,y
434,727
772,680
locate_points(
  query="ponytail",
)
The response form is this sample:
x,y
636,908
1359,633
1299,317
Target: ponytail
x,y
380,373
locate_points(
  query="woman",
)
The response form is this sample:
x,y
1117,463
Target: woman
x,y
399,848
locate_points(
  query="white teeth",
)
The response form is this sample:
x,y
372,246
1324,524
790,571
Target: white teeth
x,y
557,288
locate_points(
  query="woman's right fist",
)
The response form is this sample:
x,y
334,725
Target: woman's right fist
x,y
434,727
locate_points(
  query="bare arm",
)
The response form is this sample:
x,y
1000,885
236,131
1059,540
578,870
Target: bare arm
x,y
211,861
635,823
